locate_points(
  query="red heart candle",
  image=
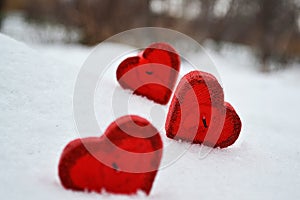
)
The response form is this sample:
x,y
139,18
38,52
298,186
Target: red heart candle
x,y
124,160
198,113
153,73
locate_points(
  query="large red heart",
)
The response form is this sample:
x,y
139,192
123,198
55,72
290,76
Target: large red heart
x,y
153,73
124,160
198,113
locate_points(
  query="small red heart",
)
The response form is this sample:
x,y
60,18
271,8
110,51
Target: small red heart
x,y
153,73
124,160
198,113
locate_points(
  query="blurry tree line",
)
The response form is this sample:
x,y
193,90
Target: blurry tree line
x,y
1,11
272,27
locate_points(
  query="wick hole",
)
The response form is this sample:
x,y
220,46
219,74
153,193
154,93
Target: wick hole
x,y
204,122
149,73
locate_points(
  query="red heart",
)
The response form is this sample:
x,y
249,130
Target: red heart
x,y
153,73
116,162
198,113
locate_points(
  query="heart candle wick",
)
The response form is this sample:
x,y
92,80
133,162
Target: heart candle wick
x,y
149,73
115,166
204,122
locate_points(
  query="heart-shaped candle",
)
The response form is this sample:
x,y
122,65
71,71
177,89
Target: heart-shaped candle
x,y
124,160
198,113
152,73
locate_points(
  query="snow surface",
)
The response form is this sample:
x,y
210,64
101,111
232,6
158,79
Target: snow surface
x,y
36,122
15,25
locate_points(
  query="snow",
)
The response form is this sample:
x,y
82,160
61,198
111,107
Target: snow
x,y
15,25
36,122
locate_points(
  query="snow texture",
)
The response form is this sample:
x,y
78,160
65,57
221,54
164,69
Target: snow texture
x,y
36,122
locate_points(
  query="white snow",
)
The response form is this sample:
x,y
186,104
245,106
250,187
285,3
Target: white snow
x,y
15,25
36,122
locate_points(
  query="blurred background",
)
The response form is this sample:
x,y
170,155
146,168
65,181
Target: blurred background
x,y
270,28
